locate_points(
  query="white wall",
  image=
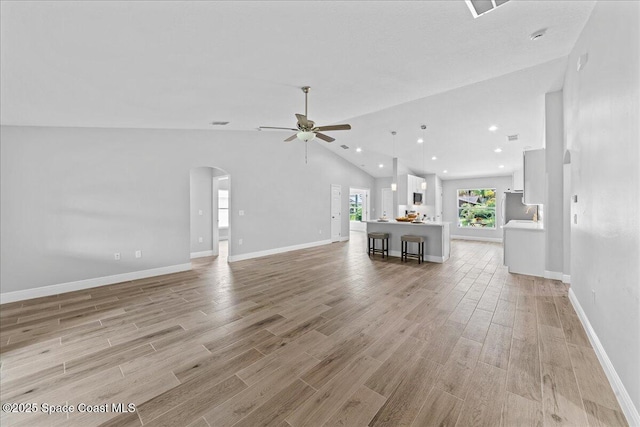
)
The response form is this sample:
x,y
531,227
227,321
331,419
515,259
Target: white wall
x,y
201,180
71,197
553,206
450,189
601,110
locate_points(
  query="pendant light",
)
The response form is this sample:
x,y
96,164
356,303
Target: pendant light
x,y
394,185
423,184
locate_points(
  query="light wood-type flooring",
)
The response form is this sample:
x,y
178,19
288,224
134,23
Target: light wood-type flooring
x,y
318,337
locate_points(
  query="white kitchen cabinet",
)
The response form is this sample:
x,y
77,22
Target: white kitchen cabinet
x,y
534,177
407,185
518,180
524,247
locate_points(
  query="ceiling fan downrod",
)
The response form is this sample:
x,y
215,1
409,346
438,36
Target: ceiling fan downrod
x,y
305,89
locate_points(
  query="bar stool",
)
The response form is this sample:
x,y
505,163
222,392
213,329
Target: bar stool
x,y
405,240
371,243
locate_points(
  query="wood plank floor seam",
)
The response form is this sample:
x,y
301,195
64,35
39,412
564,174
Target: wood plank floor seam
x,y
321,336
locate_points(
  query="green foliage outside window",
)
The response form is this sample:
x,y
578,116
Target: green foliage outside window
x,y
355,207
477,208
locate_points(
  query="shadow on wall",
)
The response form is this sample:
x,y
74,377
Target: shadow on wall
x,y
209,189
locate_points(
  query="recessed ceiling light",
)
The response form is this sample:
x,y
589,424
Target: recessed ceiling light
x,y
380,165
420,140
434,158
359,150
445,171
501,166
493,128
498,150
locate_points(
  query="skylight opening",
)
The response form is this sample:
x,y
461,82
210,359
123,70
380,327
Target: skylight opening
x,y
480,7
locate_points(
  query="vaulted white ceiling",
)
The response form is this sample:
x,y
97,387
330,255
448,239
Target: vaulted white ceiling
x,y
380,66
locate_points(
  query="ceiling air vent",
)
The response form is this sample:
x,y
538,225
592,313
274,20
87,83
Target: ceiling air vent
x,y
480,7
219,123
512,138
344,147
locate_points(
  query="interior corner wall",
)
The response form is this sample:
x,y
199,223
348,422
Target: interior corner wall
x,y
201,192
72,197
450,189
553,207
601,110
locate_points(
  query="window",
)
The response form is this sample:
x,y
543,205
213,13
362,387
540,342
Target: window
x,y
355,207
223,208
477,208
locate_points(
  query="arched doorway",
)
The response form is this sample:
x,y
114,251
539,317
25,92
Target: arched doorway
x,y
209,195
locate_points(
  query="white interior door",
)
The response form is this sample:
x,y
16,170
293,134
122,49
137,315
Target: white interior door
x,y
215,233
336,212
387,202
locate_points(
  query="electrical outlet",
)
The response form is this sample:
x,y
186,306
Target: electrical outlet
x,y
319,231
239,241
575,218
138,254
241,213
200,212
200,240
116,256
593,295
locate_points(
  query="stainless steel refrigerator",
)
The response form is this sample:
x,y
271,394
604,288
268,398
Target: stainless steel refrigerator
x,y
513,208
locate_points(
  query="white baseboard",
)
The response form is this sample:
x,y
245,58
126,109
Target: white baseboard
x,y
250,255
430,258
554,275
201,254
566,278
630,411
61,288
344,238
478,239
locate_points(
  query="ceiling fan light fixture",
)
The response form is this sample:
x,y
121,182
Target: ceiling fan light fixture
x,y
306,136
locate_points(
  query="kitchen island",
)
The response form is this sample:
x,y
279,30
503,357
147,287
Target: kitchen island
x,y
437,242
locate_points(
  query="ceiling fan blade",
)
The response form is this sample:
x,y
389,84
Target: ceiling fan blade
x,y
303,121
272,127
334,127
324,137
291,138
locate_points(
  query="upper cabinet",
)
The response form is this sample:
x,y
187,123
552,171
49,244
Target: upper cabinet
x,y
518,180
534,177
407,185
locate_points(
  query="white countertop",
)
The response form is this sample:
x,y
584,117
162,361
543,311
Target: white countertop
x,y
393,221
520,224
